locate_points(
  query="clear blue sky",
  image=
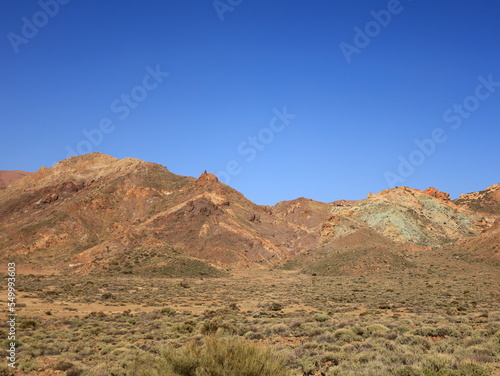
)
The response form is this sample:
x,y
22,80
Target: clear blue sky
x,y
230,70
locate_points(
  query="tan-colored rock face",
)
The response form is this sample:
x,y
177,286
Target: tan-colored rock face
x,y
486,201
102,214
9,177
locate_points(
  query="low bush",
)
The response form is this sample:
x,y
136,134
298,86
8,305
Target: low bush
x,y
217,356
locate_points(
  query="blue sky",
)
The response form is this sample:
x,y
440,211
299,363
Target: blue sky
x,y
326,99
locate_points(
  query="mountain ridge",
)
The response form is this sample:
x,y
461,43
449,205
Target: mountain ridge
x,y
99,214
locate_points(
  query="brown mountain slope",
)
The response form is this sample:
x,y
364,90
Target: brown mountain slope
x,y
96,213
303,212
82,203
381,233
486,201
359,252
484,247
89,211
9,177
214,222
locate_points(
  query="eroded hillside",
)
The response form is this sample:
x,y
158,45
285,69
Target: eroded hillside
x,y
96,213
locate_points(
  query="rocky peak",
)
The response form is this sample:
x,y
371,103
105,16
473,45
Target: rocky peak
x,y
433,192
208,177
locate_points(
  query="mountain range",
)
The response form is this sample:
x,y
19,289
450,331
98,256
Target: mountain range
x,y
98,214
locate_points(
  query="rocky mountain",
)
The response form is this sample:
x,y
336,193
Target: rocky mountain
x,y
409,217
486,201
95,213
98,214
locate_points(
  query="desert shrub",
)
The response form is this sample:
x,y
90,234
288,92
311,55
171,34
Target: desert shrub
x,y
425,331
271,306
474,341
296,324
28,324
311,329
100,370
384,306
28,365
74,372
107,296
5,371
210,326
444,331
326,337
415,341
470,368
451,311
217,324
365,357
168,311
408,371
253,335
320,317
260,314
185,328
345,335
219,357
98,315
465,330
281,329
437,362
491,330
360,331
234,306
275,306
406,322
377,328
184,284
403,329
481,354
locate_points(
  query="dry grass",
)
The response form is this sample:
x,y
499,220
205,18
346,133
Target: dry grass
x,y
406,325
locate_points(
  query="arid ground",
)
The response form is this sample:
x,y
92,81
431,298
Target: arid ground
x,y
424,322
